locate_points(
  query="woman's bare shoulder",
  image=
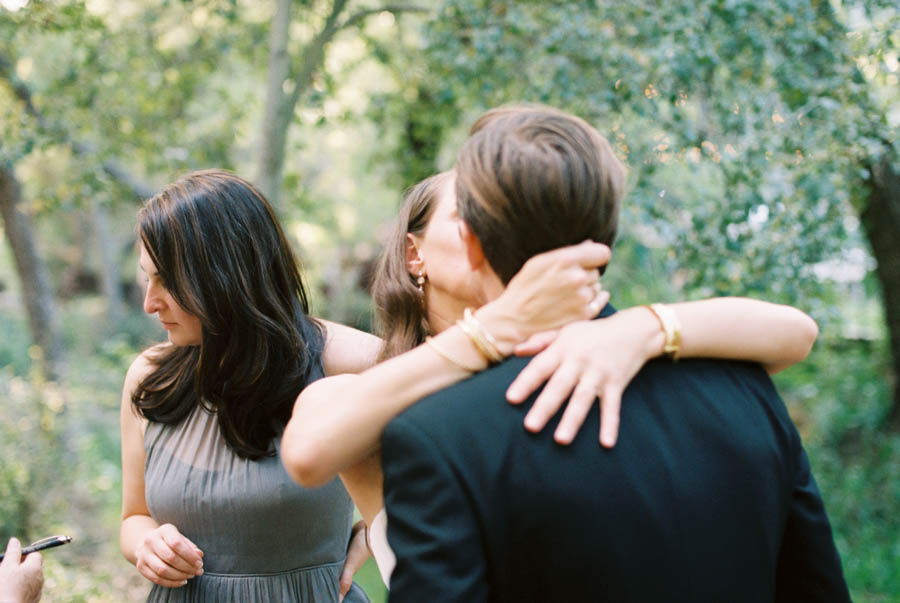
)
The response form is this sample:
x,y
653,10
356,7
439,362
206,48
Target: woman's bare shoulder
x,y
143,365
140,368
348,350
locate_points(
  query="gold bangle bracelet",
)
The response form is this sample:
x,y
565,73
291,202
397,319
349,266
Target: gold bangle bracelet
x,y
671,327
473,339
449,357
480,337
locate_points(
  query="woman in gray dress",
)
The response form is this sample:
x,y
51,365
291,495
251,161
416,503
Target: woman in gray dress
x,y
209,513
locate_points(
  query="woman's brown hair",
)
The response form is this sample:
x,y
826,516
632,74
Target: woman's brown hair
x,y
399,305
221,253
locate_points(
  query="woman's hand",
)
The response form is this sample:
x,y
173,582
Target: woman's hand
x,y
168,558
584,361
552,289
357,554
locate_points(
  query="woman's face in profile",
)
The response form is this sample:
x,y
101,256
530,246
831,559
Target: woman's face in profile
x,y
183,327
442,249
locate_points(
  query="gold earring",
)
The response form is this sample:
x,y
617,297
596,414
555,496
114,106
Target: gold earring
x,y
420,283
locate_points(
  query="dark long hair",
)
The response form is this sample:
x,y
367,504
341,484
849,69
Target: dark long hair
x,y
399,306
222,255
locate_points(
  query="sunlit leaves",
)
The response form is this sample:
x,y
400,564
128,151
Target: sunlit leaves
x,y
740,120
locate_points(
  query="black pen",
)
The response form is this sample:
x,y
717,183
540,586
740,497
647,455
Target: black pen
x,y
46,543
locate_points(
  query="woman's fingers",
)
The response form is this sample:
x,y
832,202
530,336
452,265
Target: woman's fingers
x,y
153,576
556,287
357,554
610,408
551,398
168,558
181,544
161,566
177,555
157,571
597,304
536,343
587,254
538,370
187,552
577,409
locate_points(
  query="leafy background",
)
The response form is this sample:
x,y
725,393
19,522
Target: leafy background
x,y
760,139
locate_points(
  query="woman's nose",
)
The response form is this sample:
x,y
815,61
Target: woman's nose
x,y
151,300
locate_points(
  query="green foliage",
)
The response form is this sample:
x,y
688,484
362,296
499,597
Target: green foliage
x,y
131,85
16,339
736,118
839,399
746,127
413,118
61,471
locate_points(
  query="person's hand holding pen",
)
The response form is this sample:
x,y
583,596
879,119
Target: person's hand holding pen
x,y
21,580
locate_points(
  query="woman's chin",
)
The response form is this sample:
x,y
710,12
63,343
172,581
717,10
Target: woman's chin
x,y
178,339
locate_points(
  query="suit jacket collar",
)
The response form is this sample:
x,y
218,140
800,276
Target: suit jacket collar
x,y
608,310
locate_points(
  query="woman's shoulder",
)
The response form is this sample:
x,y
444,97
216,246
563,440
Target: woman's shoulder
x,y
348,350
143,365
140,368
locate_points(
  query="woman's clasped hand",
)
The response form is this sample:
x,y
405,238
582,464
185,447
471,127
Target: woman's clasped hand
x,y
166,557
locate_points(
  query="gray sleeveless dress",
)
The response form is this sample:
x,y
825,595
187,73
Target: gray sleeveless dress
x,y
264,538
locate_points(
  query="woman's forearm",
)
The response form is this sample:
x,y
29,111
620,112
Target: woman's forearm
x,y
738,328
338,421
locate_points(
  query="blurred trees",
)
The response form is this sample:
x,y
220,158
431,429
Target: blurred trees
x,y
761,139
38,295
291,74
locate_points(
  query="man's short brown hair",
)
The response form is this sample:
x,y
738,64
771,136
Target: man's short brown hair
x,y
531,179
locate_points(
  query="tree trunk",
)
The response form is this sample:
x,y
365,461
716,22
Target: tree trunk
x,y
107,247
881,220
40,303
280,103
273,135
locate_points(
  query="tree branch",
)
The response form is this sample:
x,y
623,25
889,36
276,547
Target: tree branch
x,y
113,168
19,88
361,15
280,107
315,50
314,54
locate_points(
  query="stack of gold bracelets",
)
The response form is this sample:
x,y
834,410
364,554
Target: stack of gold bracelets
x,y
483,341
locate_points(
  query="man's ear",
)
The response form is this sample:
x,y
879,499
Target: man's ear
x,y
474,252
415,264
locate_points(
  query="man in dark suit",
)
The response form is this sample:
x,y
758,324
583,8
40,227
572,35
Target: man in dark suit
x,y
707,496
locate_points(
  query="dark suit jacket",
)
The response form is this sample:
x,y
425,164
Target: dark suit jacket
x,y
707,496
